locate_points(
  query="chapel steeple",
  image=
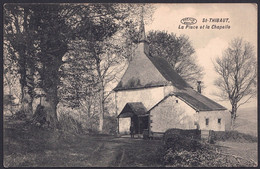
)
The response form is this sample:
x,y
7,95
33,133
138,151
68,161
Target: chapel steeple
x,y
142,40
142,37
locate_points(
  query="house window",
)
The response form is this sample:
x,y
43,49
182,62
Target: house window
x,y
176,101
219,121
207,121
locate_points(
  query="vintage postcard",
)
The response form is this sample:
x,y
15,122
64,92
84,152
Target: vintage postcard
x,y
130,85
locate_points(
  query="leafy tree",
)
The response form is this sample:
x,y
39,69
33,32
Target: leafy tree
x,y
19,45
237,70
102,55
40,35
178,51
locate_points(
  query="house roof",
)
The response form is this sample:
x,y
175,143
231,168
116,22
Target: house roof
x,y
195,100
133,108
198,101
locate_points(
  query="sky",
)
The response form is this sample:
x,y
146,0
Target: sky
x,y
209,42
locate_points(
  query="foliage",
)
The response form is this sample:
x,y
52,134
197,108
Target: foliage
x,y
110,125
178,51
237,70
187,152
8,100
68,124
175,133
19,115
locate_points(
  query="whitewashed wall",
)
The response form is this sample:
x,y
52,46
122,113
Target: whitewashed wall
x,y
124,125
148,96
169,114
213,117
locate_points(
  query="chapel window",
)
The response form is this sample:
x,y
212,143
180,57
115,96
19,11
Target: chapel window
x,y
207,121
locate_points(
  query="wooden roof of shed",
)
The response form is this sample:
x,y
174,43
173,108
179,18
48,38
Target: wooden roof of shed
x,y
133,108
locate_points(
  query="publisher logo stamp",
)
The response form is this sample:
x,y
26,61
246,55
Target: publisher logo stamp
x,y
188,21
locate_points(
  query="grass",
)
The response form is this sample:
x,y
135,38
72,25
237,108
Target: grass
x,y
29,146
245,150
246,121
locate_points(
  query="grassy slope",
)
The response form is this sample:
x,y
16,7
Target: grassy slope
x,y
247,121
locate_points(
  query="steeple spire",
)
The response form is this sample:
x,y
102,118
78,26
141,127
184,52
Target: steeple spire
x,y
142,37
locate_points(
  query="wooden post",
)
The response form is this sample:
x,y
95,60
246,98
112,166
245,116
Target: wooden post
x,y
118,126
138,127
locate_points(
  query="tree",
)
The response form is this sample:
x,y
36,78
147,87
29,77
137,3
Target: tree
x,y
178,51
104,50
237,70
19,46
40,34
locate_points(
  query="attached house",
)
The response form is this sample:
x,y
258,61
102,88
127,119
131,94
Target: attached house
x,y
155,98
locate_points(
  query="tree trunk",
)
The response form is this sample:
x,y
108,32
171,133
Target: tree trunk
x,y
26,98
233,115
101,102
50,106
50,100
26,103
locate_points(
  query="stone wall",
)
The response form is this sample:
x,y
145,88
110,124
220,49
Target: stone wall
x,y
172,113
216,120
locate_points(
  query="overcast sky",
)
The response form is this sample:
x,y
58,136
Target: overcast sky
x,y
209,43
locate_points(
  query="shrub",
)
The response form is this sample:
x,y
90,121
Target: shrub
x,y
68,124
179,143
172,133
110,125
19,115
192,153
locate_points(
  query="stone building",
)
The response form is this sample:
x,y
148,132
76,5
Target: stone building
x,y
154,97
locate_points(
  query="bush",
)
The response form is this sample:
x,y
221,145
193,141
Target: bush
x,y
68,124
234,136
179,143
110,125
172,133
186,152
19,115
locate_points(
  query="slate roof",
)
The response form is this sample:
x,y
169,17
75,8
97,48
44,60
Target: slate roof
x,y
194,99
133,108
168,73
152,79
198,101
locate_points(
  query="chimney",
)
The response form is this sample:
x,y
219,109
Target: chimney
x,y
198,86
